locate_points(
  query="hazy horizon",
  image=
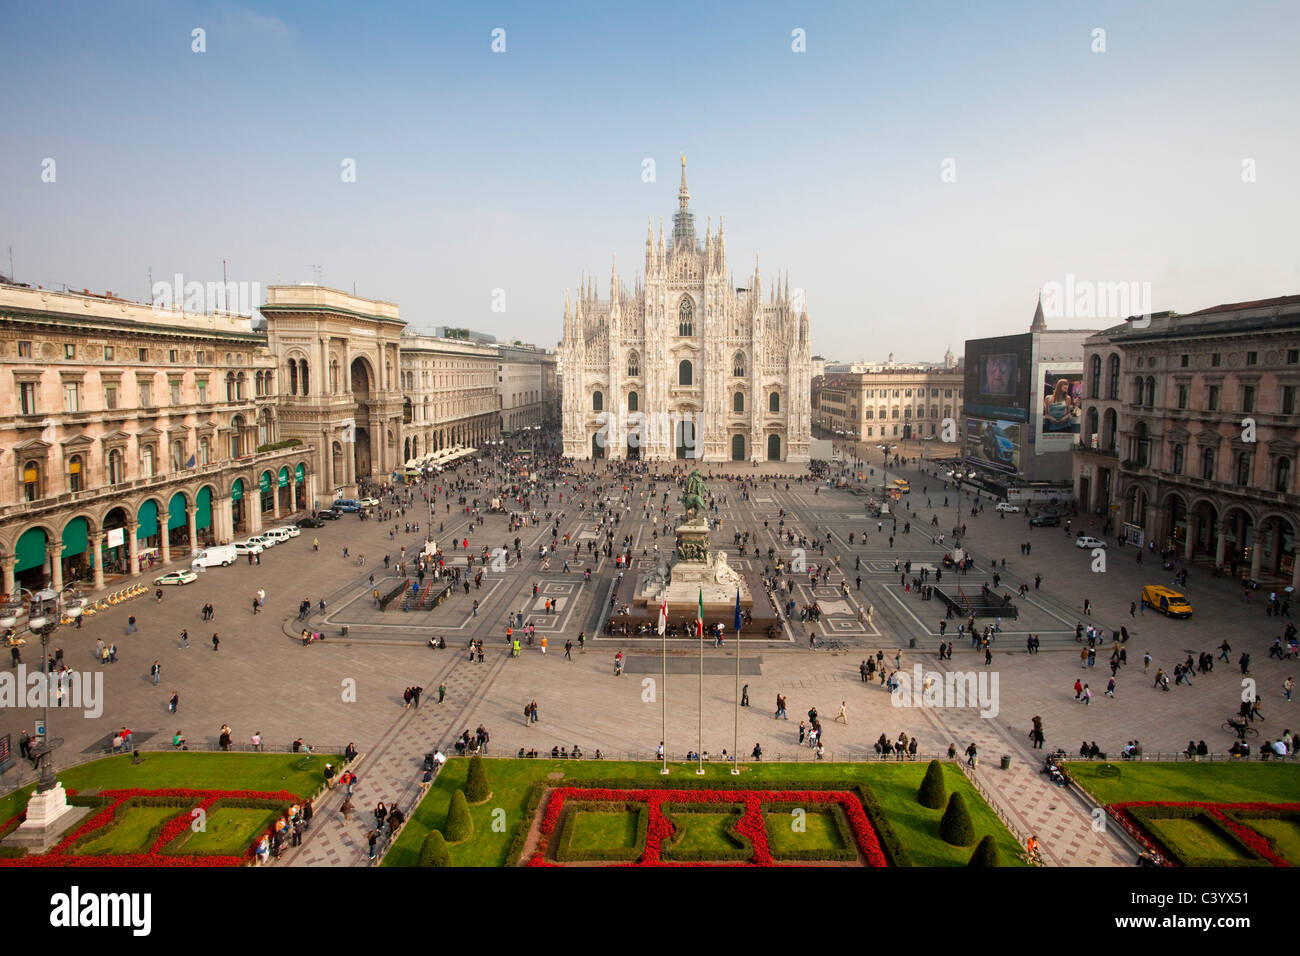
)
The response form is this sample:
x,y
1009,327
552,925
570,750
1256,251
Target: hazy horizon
x,y
1160,163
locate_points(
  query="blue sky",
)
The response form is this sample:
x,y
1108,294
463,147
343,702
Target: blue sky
x,y
479,171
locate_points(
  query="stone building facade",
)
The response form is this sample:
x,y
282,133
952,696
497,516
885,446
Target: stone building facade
x,y
527,388
685,364
131,434
890,402
449,393
1191,428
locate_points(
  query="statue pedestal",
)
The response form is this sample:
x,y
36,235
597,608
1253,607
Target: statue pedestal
x,y
48,817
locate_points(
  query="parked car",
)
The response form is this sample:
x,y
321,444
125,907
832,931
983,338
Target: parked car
x,y
312,521
222,555
1088,541
277,534
368,502
1008,507
329,514
1045,521
346,504
180,578
1166,600
251,546
265,540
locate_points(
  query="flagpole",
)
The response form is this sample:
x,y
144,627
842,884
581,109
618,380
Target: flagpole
x,y
699,742
663,690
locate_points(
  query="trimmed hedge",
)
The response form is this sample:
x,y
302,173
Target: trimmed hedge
x,y
565,852
849,849
956,826
1146,815
742,849
460,826
477,788
889,841
532,801
433,851
273,808
986,854
933,792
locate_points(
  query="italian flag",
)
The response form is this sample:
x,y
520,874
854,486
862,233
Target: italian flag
x,y
699,620
663,616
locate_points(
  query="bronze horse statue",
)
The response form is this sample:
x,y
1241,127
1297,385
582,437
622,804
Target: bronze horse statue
x,y
694,497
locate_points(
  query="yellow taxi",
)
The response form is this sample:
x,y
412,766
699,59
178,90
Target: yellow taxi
x,y
1166,601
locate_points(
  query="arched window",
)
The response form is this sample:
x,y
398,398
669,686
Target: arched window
x,y
774,402
738,365
1141,444
32,481
1282,475
178,455
1179,455
1150,393
738,402
293,377
1114,377
633,365
76,473
686,317
205,452
685,373
1207,464
1095,383
240,391
597,402
146,461
230,386
116,474
632,402
1092,423
1243,469
1137,391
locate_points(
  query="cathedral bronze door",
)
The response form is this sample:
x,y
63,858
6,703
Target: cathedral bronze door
x,y
685,440
737,447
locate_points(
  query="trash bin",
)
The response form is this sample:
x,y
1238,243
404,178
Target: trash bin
x,y
344,630
1006,762
911,642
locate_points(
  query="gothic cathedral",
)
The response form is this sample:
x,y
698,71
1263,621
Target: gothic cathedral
x,y
686,365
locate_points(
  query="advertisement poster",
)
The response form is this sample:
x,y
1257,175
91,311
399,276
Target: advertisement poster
x,y
995,444
1060,408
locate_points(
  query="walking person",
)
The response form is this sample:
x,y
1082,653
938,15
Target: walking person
x,y
216,641
156,672
174,703
185,639
843,714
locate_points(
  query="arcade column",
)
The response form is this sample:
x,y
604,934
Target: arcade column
x,y
132,549
97,558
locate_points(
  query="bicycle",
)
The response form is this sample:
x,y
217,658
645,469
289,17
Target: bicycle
x,y
1240,727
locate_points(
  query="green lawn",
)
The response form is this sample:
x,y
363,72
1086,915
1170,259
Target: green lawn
x,y
895,785
699,832
602,830
1285,835
819,833
1264,782
1198,842
197,771
229,830
131,830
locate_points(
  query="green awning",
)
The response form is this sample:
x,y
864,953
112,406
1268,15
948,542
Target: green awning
x,y
176,512
30,550
284,477
300,472
264,482
237,490
148,518
75,537
203,508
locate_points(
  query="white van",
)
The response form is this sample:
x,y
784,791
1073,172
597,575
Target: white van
x,y
278,534
222,555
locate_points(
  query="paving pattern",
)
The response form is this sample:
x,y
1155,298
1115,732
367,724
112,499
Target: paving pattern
x,y
345,690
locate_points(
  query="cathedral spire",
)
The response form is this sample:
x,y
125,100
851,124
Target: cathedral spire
x,y
1039,324
683,194
684,219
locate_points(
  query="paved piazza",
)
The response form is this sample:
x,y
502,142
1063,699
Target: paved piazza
x,y
350,689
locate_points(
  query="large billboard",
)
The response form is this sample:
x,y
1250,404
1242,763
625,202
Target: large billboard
x,y
1060,407
997,384
994,444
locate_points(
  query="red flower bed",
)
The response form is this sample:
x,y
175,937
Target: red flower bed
x,y
1253,839
751,824
187,800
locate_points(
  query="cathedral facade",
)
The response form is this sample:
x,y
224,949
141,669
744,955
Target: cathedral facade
x,y
686,364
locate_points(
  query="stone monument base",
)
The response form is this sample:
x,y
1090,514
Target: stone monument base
x,y
49,817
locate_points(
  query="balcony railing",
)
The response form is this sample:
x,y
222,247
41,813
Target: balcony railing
x,y
167,478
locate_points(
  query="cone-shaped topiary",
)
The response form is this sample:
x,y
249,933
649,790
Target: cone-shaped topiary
x,y
986,854
434,852
955,827
459,825
477,788
933,792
